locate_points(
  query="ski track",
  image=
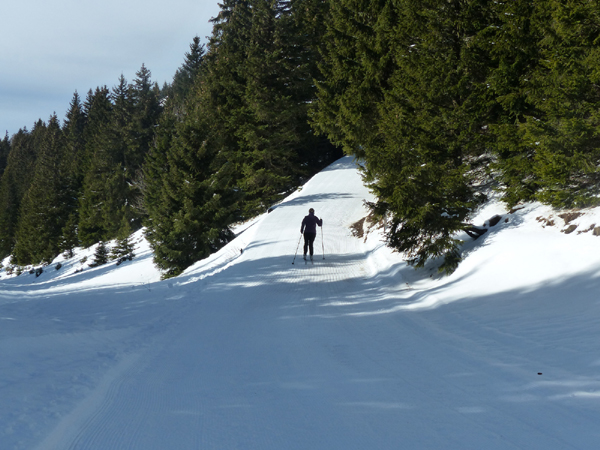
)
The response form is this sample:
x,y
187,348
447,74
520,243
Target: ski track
x,y
247,351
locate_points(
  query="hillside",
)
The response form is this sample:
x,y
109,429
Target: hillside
x,y
247,350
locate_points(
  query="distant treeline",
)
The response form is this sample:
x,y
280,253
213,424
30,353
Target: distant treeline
x,y
442,99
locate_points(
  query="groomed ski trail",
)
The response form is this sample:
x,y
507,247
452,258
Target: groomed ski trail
x,y
257,353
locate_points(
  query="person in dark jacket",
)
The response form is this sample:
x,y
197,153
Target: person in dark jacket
x,y
309,229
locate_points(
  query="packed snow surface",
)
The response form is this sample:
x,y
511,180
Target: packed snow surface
x,y
246,350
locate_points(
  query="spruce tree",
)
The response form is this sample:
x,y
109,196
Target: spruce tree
x,y
100,255
405,89
15,182
146,111
277,146
98,109
190,212
564,89
4,151
124,247
244,139
260,75
165,171
512,46
267,122
45,206
69,238
185,76
74,132
104,197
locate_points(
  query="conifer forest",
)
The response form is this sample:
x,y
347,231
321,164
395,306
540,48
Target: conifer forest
x,y
443,101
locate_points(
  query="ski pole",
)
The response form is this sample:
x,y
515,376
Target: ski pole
x,y
297,247
322,244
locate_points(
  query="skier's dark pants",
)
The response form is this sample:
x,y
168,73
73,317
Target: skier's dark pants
x,y
309,238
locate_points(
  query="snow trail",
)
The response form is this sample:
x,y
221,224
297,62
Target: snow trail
x,y
247,351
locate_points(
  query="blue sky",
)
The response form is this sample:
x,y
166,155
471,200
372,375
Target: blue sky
x,y
50,49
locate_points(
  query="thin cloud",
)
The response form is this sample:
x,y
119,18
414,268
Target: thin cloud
x,y
51,49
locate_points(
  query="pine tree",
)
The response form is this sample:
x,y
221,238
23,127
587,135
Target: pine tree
x,y
124,248
266,129
120,123
69,239
163,183
356,63
185,76
405,89
74,131
306,24
146,110
156,167
100,255
512,46
4,151
564,89
190,211
45,206
73,166
244,139
222,89
144,119
104,198
260,76
98,110
15,182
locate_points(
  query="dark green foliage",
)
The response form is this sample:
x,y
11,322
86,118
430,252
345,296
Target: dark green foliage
x,y
73,166
100,255
267,138
74,160
124,247
565,90
15,182
69,238
430,93
120,129
244,140
440,99
277,145
141,129
189,213
4,151
260,77
104,184
512,45
354,67
44,209
187,216
144,117
404,90
546,79
185,76
156,166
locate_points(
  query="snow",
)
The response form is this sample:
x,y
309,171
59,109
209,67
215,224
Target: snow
x,y
245,350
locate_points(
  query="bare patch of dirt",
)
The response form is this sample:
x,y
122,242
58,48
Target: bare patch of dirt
x,y
545,221
570,216
587,230
569,229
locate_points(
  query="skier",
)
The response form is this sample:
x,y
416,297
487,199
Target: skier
x,y
309,229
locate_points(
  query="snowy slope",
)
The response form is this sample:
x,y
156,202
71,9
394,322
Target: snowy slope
x,y
358,351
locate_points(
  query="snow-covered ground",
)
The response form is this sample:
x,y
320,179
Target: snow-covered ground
x,y
246,350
